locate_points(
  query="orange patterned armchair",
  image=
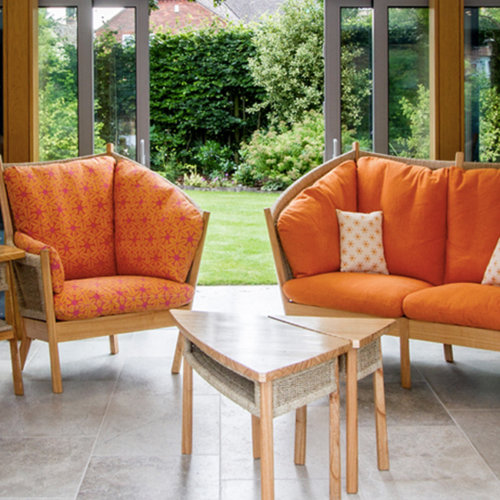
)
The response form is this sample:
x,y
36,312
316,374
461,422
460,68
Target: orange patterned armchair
x,y
110,247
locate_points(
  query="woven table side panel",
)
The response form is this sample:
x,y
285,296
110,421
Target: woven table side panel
x,y
302,388
369,359
4,285
232,385
29,286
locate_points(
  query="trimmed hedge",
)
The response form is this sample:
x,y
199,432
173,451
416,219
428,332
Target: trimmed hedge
x,y
201,90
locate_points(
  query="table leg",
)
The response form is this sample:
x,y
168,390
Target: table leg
x,y
187,409
352,421
380,420
335,484
256,436
266,441
300,435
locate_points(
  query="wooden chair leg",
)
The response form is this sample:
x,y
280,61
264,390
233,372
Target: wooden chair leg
x,y
113,344
55,367
256,437
16,368
448,352
25,349
300,435
404,347
380,420
176,363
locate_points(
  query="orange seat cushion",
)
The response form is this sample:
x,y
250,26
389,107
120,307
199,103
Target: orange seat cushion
x,y
30,245
308,227
377,294
157,229
413,202
108,295
473,223
68,206
465,304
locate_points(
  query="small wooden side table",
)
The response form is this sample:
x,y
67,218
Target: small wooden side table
x,y
9,327
364,358
267,367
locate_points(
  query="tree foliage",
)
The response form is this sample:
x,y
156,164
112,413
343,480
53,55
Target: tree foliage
x,y
58,101
288,63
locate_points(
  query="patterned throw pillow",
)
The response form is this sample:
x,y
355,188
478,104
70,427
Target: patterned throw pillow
x,y
361,244
492,273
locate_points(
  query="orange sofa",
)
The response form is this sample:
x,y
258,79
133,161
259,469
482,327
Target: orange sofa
x,y
441,225
111,247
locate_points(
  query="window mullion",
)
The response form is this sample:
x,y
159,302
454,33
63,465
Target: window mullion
x,y
85,79
380,72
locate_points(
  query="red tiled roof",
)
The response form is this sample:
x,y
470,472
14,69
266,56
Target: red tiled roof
x,y
171,14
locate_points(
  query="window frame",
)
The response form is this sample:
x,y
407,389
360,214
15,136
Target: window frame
x,y
86,70
380,70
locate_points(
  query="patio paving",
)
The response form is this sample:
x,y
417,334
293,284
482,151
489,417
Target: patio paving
x,y
115,432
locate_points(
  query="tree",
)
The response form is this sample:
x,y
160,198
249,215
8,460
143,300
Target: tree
x,y
288,63
58,99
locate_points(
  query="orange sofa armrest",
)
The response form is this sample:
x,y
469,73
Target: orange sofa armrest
x,y
30,245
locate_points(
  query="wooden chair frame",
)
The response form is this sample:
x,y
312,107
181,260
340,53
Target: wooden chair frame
x,y
407,329
53,331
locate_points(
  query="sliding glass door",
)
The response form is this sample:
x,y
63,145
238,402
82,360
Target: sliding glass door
x,y
93,77
482,80
377,76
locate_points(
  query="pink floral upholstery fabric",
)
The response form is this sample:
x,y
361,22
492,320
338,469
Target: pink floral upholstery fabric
x,y
68,206
157,229
33,246
107,295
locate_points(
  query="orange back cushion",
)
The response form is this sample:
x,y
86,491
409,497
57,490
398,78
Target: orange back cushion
x,y
157,229
413,201
473,222
308,227
68,206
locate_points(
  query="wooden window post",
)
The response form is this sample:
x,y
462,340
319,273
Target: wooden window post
x,y
20,80
446,78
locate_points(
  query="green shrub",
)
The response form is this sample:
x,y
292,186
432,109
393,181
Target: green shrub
x,y
274,159
214,160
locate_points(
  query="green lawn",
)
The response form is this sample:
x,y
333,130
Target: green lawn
x,y
237,249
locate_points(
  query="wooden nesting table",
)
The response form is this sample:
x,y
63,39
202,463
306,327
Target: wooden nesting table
x,y
269,367
363,359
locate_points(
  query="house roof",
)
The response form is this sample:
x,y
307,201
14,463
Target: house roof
x,y
173,14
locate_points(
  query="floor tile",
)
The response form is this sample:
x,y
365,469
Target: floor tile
x,y
38,467
482,427
151,478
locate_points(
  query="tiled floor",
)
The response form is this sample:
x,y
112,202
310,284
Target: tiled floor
x,y
115,432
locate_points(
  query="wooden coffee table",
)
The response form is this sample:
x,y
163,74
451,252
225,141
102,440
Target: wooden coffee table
x,y
269,368
365,358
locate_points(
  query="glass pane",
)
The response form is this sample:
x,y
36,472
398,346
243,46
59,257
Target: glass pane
x,y
409,110
356,84
482,84
115,80
1,84
58,83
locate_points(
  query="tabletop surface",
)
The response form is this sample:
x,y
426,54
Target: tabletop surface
x,y
10,253
360,331
257,347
